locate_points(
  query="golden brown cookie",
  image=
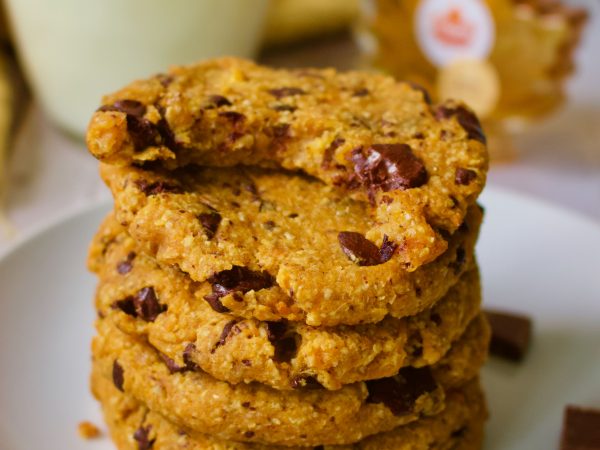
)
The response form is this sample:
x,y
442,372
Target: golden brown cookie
x,y
307,416
416,167
133,426
279,245
185,329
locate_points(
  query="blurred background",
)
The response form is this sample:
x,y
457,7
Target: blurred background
x,y
529,68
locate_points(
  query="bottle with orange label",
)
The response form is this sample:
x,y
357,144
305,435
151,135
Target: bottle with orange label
x,y
507,59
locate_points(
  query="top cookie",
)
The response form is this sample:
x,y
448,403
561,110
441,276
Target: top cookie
x,y
419,166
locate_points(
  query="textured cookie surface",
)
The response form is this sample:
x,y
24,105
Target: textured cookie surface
x,y
133,426
277,245
307,416
418,167
184,328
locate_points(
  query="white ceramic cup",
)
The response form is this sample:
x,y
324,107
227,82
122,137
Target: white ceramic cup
x,y
74,51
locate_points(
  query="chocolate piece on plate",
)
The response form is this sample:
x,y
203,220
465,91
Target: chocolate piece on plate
x,y
511,334
581,429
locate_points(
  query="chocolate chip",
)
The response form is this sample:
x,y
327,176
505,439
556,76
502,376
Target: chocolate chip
x,y
362,251
219,100
187,357
143,132
234,117
387,250
285,346
124,267
306,382
286,92
131,107
146,304
269,225
285,349
156,187
248,434
172,365
361,92
118,375
424,91
126,305
330,151
227,331
283,108
236,279
214,300
511,334
400,392
388,167
142,437
210,222
581,429
464,176
467,119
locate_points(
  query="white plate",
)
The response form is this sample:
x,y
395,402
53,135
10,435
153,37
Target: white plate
x,y
535,258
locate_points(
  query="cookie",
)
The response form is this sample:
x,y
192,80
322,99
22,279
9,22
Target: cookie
x,y
282,355
133,426
307,416
278,245
416,167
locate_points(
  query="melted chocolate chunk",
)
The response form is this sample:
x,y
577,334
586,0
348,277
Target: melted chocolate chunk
x,y
156,187
214,300
581,429
399,393
118,375
330,151
286,92
187,357
511,334
219,100
284,344
172,365
467,119
424,91
464,176
228,330
124,267
146,304
142,437
388,167
131,107
387,249
143,132
362,251
126,305
236,279
210,222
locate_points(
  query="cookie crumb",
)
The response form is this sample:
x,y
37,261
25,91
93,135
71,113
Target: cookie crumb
x,y
87,430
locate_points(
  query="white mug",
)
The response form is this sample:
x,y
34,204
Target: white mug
x,y
74,51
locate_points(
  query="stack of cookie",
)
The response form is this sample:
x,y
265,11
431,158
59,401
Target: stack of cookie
x,y
289,263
